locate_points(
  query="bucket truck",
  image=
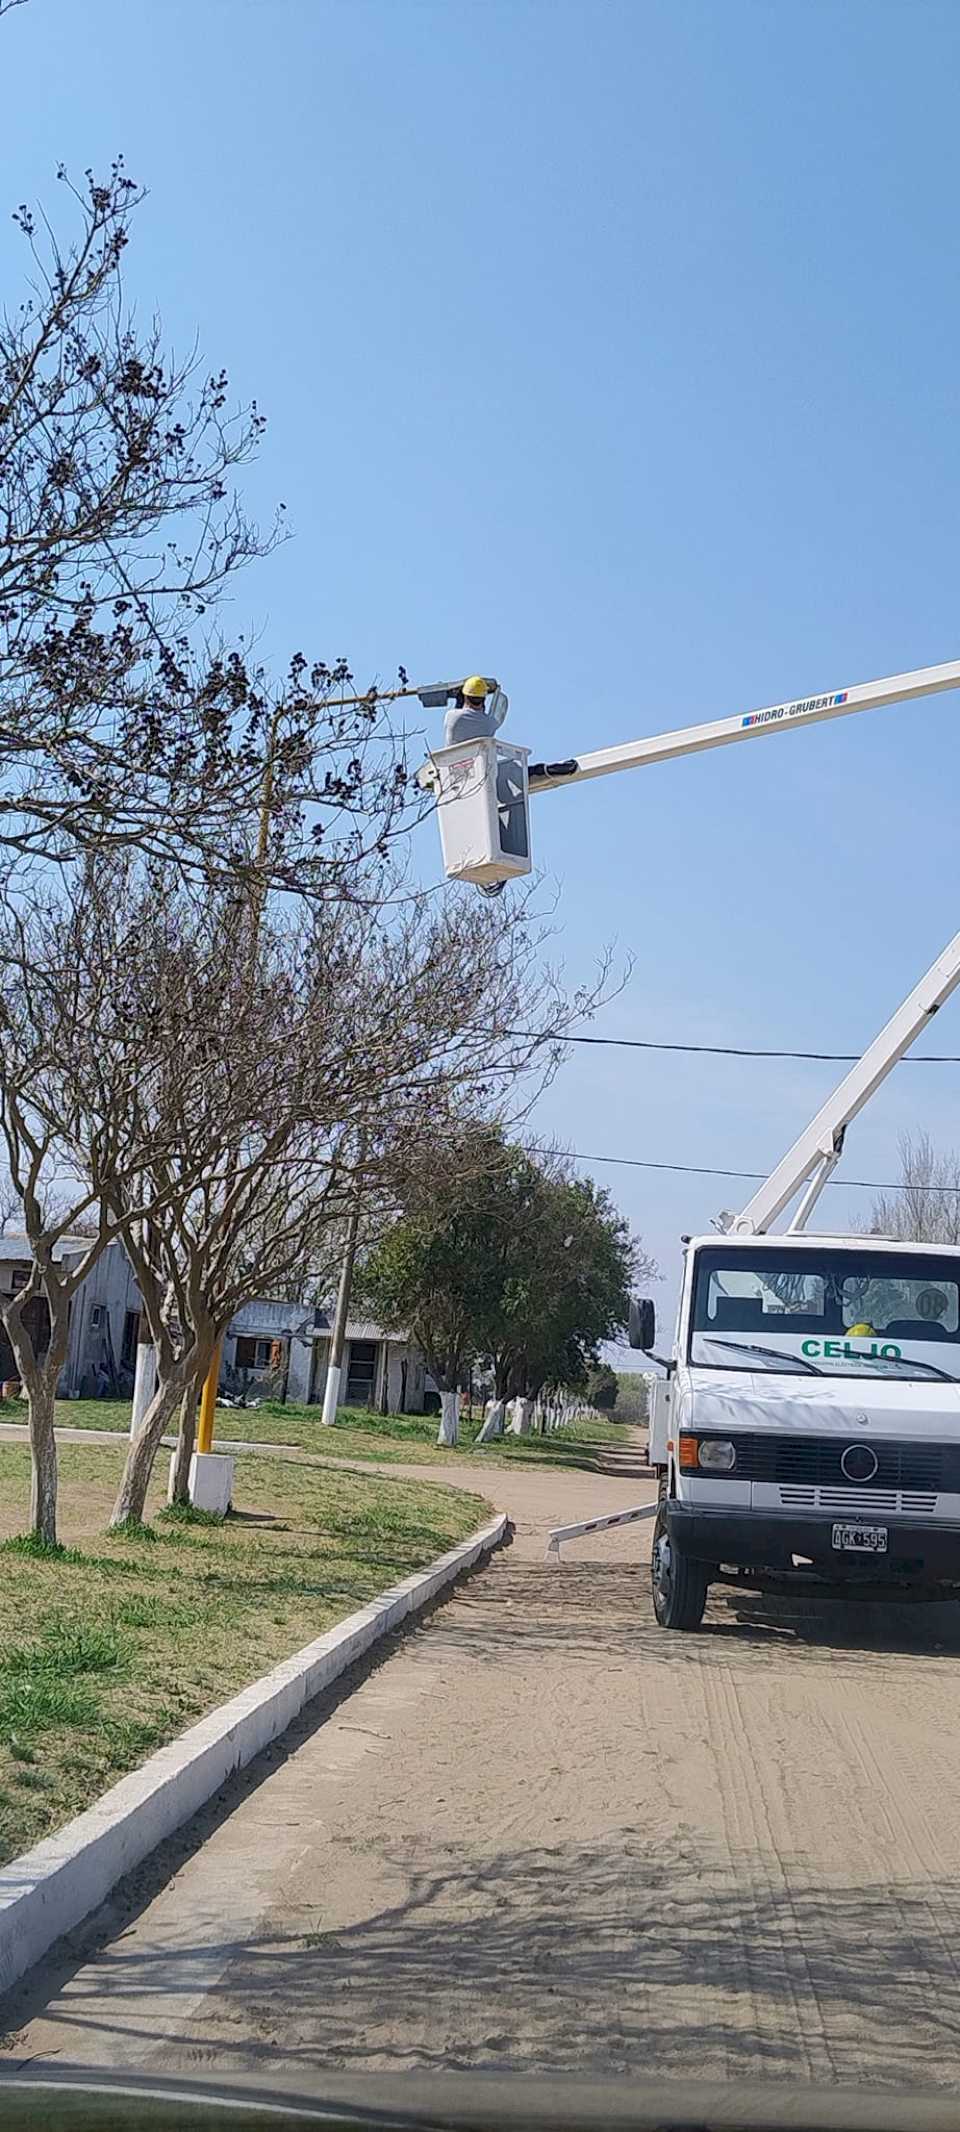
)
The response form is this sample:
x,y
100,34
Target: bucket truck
x,y
806,1431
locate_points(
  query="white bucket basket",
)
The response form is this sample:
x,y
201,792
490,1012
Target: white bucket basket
x,y
483,803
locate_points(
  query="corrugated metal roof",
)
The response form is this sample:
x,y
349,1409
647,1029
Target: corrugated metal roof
x,y
270,1320
19,1250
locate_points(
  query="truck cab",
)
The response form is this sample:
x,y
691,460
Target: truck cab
x,y
807,1431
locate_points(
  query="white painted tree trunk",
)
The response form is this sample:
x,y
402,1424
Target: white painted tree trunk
x,y
135,1479
331,1395
449,1431
144,1379
492,1421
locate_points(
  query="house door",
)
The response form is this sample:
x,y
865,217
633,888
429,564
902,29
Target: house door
x,y
361,1374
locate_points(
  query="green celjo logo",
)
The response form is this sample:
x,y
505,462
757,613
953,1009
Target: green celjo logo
x,y
844,1350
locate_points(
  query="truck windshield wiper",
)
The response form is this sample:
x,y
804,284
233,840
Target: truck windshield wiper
x,y
748,1347
908,1362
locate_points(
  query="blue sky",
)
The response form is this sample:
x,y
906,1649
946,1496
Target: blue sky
x,y
611,349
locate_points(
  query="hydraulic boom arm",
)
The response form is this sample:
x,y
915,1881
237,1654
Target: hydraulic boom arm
x,y
746,725
482,789
815,1154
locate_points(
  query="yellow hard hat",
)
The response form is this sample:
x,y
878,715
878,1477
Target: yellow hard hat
x,y
476,686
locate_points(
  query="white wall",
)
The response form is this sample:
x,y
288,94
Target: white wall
x,y
400,1350
301,1371
110,1286
390,1358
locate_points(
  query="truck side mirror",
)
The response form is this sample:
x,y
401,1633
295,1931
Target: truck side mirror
x,y
642,1330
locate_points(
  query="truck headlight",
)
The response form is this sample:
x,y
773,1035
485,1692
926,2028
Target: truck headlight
x,y
714,1455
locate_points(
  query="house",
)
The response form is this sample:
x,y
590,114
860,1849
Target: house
x,y
103,1331
272,1348
103,1319
282,1350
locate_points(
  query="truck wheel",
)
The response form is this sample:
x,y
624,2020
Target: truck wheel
x,y
679,1585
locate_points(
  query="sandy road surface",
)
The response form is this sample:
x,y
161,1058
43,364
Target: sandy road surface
x,y
544,1835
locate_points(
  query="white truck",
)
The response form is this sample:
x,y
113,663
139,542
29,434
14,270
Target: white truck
x,y
807,1427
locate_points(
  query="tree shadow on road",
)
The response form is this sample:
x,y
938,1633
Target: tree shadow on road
x,y
595,1958
622,1956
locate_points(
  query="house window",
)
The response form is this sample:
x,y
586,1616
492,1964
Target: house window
x,y
254,1354
361,1373
19,1278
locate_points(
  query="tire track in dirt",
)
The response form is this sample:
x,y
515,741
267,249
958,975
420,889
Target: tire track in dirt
x,y
753,1799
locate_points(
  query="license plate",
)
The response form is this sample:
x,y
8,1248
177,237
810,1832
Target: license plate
x,y
860,1539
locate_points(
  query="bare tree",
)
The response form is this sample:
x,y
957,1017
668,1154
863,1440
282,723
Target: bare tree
x,y
144,755
397,1035
926,1210
93,1045
192,1285
61,971
10,1207
118,528
202,1088
126,721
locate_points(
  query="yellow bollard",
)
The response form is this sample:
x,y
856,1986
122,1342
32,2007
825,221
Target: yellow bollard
x,y
208,1401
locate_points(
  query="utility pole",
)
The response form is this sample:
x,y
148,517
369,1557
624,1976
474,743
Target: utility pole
x,y
208,1397
331,1389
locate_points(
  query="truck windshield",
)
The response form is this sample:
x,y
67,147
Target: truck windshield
x,y
847,1313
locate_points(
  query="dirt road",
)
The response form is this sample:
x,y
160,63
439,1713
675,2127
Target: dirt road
x,y
544,1835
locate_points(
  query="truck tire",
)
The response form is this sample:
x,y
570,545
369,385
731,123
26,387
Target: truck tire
x,y
679,1585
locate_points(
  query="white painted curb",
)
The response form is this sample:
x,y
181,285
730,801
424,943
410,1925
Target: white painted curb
x,y
48,1890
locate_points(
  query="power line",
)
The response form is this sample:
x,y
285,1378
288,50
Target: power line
x,y
735,1051
693,1169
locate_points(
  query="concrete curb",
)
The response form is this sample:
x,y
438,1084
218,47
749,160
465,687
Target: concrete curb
x,y
51,1888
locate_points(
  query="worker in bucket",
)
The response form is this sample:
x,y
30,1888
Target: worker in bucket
x,y
471,717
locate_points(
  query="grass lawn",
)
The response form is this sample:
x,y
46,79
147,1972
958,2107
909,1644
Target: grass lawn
x,y
112,1648
412,1438
394,1438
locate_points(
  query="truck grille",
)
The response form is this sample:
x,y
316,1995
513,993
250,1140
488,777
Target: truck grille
x,y
906,1501
814,1462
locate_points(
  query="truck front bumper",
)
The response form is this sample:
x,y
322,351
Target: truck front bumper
x,y
926,1554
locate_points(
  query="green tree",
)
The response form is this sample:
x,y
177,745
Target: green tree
x,y
570,1263
501,1254
603,1387
436,1271
632,1403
